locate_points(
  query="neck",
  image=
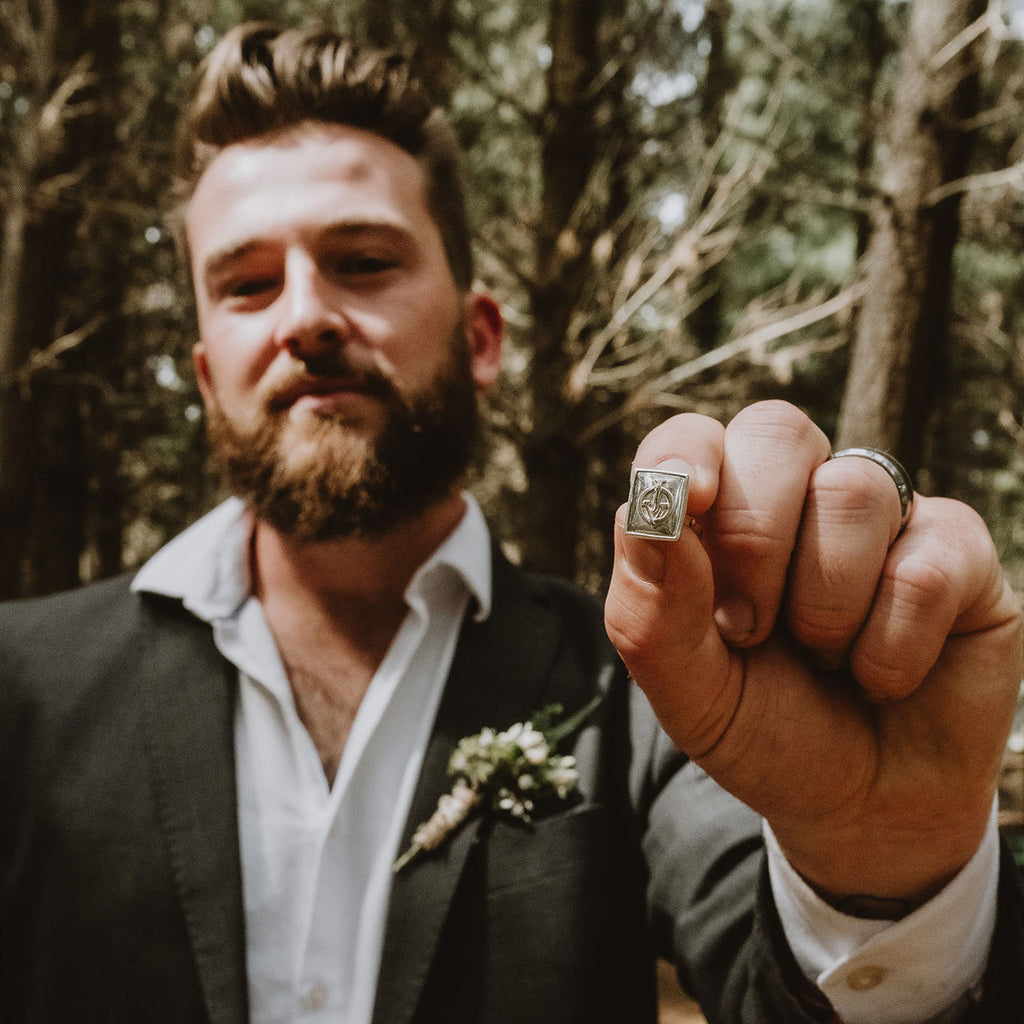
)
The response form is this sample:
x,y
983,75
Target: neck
x,y
352,573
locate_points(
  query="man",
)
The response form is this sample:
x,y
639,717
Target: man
x,y
209,771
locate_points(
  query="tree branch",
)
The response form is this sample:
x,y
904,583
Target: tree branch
x,y
1012,176
989,21
47,358
755,339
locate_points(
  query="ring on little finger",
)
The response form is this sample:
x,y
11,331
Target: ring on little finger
x,y
900,477
657,505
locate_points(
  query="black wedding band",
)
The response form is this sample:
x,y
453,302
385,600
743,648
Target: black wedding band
x,y
900,477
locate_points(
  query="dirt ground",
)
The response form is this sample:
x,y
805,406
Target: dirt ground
x,y
673,1006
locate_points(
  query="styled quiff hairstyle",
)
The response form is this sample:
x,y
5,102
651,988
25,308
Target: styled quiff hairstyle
x,y
259,80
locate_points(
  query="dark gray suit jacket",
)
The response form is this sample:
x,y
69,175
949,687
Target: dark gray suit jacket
x,y
120,884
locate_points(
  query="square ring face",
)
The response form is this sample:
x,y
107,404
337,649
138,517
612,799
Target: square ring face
x,y
657,504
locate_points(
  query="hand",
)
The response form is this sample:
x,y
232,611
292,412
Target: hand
x,y
853,684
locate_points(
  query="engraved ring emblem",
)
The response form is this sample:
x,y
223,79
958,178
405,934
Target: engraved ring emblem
x,y
657,504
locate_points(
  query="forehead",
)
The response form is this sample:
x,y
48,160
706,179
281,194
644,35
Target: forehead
x,y
302,176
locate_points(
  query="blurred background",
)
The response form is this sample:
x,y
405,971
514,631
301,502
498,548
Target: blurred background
x,y
681,205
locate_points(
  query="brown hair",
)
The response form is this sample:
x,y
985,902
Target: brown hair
x,y
260,79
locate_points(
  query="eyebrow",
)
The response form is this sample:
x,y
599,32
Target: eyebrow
x,y
219,259
367,226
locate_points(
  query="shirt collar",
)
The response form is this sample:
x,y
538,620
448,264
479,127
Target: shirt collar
x,y
207,566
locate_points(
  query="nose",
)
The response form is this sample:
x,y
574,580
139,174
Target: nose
x,y
310,324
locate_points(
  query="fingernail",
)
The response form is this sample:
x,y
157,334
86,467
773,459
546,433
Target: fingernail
x,y
646,559
735,619
674,465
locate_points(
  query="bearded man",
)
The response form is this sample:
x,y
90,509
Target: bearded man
x,y
210,770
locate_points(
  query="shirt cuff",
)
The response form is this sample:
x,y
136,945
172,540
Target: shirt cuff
x,y
893,972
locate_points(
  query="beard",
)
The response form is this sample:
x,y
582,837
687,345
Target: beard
x,y
345,483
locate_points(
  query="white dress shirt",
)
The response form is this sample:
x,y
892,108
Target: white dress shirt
x,y
896,972
316,859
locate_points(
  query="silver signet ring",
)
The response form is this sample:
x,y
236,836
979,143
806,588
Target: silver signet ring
x,y
657,504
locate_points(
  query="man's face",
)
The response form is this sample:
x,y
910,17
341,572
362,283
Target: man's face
x,y
337,359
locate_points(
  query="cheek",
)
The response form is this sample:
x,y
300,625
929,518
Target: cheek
x,y
236,360
423,336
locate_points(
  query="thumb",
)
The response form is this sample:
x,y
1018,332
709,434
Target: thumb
x,y
659,616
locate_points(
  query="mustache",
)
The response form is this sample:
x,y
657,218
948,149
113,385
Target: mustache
x,y
324,372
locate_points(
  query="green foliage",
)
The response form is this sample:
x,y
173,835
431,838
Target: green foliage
x,y
800,94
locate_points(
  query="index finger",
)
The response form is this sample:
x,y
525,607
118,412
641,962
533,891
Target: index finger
x,y
771,450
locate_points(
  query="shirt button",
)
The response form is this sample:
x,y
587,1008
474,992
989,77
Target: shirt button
x,y
865,978
316,998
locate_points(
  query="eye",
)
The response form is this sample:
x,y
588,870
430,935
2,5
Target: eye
x,y
247,292
364,264
248,287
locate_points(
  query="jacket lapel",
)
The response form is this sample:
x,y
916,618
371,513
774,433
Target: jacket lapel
x,y
191,739
497,678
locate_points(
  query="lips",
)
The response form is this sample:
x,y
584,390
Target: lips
x,y
287,395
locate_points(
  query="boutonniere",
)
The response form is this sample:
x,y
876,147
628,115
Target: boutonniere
x,y
508,773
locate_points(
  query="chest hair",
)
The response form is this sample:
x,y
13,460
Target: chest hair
x,y
329,676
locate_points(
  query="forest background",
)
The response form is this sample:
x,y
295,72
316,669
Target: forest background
x,y
681,205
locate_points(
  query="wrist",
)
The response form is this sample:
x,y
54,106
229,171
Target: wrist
x,y
882,877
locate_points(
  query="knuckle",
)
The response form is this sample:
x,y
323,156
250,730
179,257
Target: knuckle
x,y
852,489
821,627
781,422
634,633
919,585
891,677
748,534
664,437
950,524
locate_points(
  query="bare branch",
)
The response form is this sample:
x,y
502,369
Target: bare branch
x,y
789,60
49,357
49,190
757,338
57,108
718,206
1012,177
990,21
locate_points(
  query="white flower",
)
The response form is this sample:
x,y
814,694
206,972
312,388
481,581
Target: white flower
x,y
451,812
494,767
512,733
564,776
534,746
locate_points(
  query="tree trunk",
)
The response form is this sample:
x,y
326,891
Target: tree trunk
x,y
706,320
64,265
424,29
16,343
547,519
434,58
865,19
900,355
609,455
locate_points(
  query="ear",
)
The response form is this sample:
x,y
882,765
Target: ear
x,y
484,332
202,368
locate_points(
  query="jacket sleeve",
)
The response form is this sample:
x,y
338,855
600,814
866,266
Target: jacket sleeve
x,y
713,915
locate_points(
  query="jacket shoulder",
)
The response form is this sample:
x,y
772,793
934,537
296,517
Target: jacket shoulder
x,y
569,602
51,610
66,642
